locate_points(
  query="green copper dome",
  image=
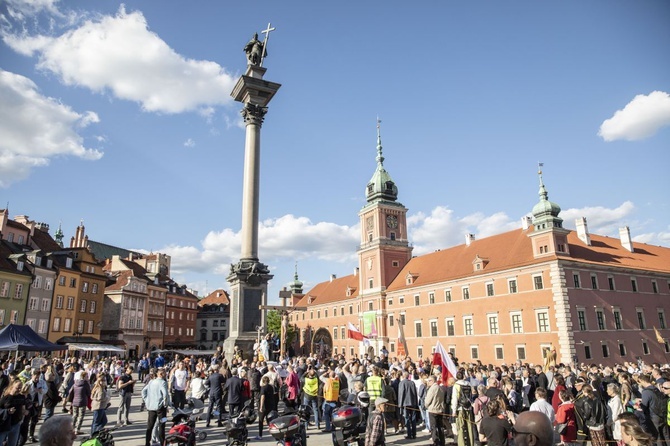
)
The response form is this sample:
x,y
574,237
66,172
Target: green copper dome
x,y
381,185
545,212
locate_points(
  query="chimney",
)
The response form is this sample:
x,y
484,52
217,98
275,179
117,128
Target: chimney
x,y
526,221
333,277
356,272
624,235
583,231
469,238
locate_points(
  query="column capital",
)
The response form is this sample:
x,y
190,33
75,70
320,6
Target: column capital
x,y
253,114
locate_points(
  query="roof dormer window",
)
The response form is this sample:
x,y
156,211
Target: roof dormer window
x,y
68,263
19,265
410,278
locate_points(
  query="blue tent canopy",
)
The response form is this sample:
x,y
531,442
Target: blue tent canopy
x,y
24,338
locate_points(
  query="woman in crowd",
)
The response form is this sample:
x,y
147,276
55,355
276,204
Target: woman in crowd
x,y
80,393
52,397
496,427
614,409
12,406
632,434
627,393
479,409
266,404
198,389
560,385
292,387
565,414
100,401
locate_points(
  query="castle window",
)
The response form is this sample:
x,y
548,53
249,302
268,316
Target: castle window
x,y
610,281
606,350
594,281
654,286
489,289
395,264
512,286
575,280
537,280
417,300
393,236
431,298
447,295
466,293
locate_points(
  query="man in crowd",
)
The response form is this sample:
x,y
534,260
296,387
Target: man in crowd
x,y
57,431
235,389
408,401
215,382
376,428
533,429
156,397
179,385
541,404
125,385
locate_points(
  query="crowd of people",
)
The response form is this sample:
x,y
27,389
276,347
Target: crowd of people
x,y
496,405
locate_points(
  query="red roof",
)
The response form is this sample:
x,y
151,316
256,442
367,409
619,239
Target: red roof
x,y
216,297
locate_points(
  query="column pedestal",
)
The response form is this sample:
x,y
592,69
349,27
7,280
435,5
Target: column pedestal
x,y
248,281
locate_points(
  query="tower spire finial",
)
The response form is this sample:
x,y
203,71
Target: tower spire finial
x,y
543,191
380,157
295,276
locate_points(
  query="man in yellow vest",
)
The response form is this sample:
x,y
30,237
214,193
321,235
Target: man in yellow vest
x,y
310,390
374,385
331,394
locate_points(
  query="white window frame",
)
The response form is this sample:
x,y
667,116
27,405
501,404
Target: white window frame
x,y
437,328
446,326
495,351
474,348
493,289
538,312
516,351
509,286
511,321
447,295
465,292
497,323
465,325
419,324
535,284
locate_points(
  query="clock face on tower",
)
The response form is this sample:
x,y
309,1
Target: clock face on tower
x,y
392,221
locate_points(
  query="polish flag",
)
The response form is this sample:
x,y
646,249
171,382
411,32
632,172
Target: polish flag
x,y
442,358
353,333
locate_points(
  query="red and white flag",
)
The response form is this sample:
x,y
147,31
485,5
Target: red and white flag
x,y
353,333
442,358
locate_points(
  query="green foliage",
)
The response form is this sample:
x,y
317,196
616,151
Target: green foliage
x,y
274,326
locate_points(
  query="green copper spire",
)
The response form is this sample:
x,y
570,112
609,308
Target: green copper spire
x,y
296,286
545,213
381,185
59,235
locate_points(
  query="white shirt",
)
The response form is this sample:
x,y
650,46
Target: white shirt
x,y
543,406
180,377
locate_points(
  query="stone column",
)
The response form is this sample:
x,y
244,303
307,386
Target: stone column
x,y
249,278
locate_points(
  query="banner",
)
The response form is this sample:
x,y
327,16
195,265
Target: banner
x,y
370,324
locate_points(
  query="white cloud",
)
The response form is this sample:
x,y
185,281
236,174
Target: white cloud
x,y
600,220
441,229
35,128
22,9
119,54
189,143
290,238
287,237
640,118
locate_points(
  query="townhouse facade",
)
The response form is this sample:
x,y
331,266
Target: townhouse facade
x,y
212,320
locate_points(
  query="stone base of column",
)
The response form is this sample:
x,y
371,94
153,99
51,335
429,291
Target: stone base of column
x,y
248,281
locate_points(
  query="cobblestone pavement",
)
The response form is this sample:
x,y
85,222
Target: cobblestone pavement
x,y
134,434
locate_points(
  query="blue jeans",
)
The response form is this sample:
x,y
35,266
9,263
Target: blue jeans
x,y
328,414
99,420
311,402
48,413
410,421
426,419
12,435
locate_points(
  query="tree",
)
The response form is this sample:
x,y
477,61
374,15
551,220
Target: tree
x,y
274,326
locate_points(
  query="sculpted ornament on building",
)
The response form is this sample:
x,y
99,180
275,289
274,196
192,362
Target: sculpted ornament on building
x,y
253,114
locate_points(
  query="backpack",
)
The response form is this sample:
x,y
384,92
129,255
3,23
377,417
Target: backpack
x,y
465,397
658,405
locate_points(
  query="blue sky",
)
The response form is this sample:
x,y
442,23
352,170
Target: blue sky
x,y
120,115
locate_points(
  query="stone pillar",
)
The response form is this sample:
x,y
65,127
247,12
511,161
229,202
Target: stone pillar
x,y
249,278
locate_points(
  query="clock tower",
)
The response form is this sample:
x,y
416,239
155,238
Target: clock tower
x,y
384,248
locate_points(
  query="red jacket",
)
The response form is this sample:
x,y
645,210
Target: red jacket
x,y
566,414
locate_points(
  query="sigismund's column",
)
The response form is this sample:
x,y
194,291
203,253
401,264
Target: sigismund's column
x,y
249,277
